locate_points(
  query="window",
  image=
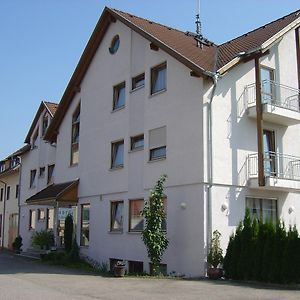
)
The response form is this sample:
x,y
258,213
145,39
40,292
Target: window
x,y
8,193
31,219
138,81
119,96
116,219
117,154
50,174
158,78
42,172
115,44
157,143
41,214
136,220
75,137
85,225
50,218
14,162
45,124
32,178
1,194
135,267
137,142
2,167
34,139
17,191
262,209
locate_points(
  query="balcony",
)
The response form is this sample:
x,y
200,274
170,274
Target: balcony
x,y
282,172
281,103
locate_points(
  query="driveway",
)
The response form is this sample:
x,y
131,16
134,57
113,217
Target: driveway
x,y
22,279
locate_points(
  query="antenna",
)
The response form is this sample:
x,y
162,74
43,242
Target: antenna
x,y
198,26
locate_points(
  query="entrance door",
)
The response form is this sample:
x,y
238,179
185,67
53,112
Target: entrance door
x,y
269,152
13,229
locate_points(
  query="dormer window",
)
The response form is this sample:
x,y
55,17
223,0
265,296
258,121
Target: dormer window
x,y
2,167
34,139
75,136
45,124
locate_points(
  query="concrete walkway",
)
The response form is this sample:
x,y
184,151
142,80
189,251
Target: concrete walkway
x,y
23,279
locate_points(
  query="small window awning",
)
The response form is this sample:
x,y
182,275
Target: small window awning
x,y
61,194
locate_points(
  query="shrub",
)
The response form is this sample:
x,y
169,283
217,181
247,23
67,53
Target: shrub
x,y
215,255
17,244
74,253
44,239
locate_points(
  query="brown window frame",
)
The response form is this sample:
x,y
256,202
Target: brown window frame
x,y
50,178
154,72
134,139
137,79
45,123
35,138
75,141
32,178
114,149
116,93
112,218
130,229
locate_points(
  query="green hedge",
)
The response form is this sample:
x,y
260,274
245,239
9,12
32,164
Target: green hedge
x,y
263,252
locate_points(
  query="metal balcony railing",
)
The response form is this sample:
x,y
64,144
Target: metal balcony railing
x,y
272,93
276,165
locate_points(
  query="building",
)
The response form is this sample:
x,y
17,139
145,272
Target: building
x,y
222,121
9,197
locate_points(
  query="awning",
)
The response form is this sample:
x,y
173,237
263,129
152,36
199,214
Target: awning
x,y
61,194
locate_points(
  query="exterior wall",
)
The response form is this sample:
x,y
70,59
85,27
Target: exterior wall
x,y
41,156
11,206
235,136
99,126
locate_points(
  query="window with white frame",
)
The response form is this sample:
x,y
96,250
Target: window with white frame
x,y
157,143
116,215
75,136
262,209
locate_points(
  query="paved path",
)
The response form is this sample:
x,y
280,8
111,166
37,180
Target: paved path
x,y
23,279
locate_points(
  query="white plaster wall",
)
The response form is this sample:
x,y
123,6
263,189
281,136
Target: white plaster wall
x,y
42,156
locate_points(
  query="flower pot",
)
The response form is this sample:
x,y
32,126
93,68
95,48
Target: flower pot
x,y
214,273
119,271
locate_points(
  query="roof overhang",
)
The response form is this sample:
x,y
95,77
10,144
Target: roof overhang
x,y
62,194
262,48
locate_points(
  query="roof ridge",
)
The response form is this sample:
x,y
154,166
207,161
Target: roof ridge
x,y
261,27
150,21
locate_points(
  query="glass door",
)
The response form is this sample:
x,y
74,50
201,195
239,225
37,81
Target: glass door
x,y
269,152
267,85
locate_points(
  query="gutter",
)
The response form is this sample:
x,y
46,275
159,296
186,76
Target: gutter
x,y
19,193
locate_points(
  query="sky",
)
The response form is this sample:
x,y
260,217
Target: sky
x,y
41,42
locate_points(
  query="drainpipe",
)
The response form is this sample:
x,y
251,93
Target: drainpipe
x,y
4,211
210,162
19,194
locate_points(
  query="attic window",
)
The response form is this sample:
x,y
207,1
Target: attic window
x,y
114,46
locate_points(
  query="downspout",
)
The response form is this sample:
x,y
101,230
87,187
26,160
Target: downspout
x,y
19,194
4,212
210,161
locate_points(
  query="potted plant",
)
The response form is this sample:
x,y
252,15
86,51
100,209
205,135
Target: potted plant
x,y
119,269
17,244
215,257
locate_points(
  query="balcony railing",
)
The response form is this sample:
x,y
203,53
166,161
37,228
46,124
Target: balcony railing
x,y
272,93
276,165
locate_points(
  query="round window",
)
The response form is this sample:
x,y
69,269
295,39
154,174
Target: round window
x,y
114,46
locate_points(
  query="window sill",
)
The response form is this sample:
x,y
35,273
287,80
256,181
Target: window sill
x,y
116,168
157,159
136,89
136,150
157,93
117,109
73,165
134,232
115,231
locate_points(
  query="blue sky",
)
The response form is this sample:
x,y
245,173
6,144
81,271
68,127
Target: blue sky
x,y
42,40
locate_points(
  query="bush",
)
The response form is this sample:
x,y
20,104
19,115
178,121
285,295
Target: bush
x,y
17,244
44,239
74,253
263,252
215,255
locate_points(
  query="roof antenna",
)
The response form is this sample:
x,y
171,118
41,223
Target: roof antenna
x,y
199,36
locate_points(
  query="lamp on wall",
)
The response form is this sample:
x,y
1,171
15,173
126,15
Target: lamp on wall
x,y
224,206
291,209
183,205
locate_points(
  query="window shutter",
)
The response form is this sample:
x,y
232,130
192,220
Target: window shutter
x,y
158,137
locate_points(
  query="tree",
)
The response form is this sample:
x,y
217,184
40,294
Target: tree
x,y
68,232
154,237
